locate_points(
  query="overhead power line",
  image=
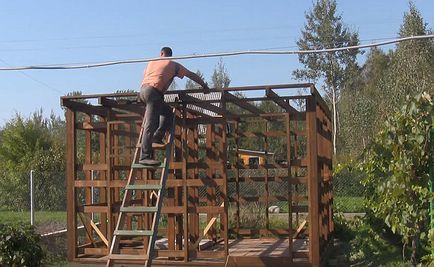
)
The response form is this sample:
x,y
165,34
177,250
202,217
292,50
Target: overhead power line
x,y
222,54
34,79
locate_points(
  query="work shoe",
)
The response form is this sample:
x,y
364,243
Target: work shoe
x,y
158,141
149,162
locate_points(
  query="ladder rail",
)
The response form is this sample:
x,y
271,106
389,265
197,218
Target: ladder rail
x,y
159,204
115,239
114,247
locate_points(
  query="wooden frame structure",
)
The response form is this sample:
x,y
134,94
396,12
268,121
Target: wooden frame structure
x,y
216,209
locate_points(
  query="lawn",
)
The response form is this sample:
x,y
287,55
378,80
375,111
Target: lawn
x,y
41,217
348,204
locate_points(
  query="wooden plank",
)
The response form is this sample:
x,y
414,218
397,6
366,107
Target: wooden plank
x,y
210,254
290,180
242,103
90,183
210,107
95,167
206,229
83,107
299,229
260,261
70,177
95,228
95,251
94,126
313,190
87,228
260,232
184,158
279,101
129,107
103,177
291,197
247,134
320,100
211,155
95,208
263,199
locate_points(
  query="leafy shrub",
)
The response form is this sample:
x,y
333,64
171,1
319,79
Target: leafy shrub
x,y
19,246
397,173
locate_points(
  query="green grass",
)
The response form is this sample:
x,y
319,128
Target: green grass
x,y
348,204
40,216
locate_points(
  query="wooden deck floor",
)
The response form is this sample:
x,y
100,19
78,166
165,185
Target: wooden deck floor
x,y
242,252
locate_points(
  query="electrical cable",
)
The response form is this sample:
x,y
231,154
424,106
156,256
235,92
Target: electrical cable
x,y
221,54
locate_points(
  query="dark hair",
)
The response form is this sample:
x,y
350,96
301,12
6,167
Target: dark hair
x,y
167,51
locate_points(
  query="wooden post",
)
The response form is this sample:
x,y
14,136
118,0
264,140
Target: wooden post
x,y
237,178
70,178
312,150
87,173
110,219
267,193
185,188
211,191
103,176
288,159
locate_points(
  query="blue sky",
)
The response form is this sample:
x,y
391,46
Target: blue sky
x,y
57,32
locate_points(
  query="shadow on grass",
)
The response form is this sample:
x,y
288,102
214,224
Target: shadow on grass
x,y
362,242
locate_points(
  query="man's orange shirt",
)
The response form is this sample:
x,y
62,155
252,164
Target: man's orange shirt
x,y
159,74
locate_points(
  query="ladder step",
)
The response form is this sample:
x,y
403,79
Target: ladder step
x,y
144,186
138,209
128,257
154,146
141,166
133,232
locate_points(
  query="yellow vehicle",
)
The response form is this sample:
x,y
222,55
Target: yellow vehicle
x,y
254,158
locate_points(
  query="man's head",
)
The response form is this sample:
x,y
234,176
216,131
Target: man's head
x,y
166,52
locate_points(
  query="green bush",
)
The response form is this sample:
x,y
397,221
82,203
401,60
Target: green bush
x,y
19,246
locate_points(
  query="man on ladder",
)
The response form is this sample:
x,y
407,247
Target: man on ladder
x,y
158,76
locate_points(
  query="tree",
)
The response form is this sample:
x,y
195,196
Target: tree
x,y
220,77
359,105
34,143
189,84
412,64
397,173
325,29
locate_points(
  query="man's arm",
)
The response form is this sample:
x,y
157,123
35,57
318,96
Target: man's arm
x,y
193,76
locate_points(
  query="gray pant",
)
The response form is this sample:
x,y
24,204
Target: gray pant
x,y
158,117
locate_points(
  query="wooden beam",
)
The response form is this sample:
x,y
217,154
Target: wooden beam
x,y
197,102
299,230
94,126
122,105
94,227
207,228
242,103
279,101
88,231
320,101
313,183
83,107
70,178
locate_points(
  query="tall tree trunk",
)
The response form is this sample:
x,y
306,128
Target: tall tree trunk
x,y
414,242
334,118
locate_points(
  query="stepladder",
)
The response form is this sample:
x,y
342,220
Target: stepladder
x,y
140,210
